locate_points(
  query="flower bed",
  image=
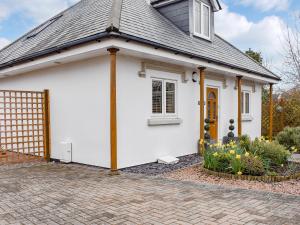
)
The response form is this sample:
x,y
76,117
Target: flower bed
x,y
252,160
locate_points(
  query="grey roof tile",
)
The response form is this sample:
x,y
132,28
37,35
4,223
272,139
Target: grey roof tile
x,y
138,19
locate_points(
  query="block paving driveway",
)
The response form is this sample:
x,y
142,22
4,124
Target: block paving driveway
x,y
76,194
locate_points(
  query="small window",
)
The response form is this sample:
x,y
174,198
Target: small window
x,y
163,97
170,97
156,97
201,19
246,103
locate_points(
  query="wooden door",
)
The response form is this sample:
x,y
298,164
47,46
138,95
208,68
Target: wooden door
x,y
212,111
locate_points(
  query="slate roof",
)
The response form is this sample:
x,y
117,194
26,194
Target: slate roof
x,y
131,19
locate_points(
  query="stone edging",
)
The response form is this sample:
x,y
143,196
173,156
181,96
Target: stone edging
x,y
251,178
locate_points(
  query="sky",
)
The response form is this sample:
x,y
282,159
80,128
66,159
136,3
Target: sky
x,y
255,24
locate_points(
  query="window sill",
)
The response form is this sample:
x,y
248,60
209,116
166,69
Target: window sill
x,y
202,36
247,118
164,121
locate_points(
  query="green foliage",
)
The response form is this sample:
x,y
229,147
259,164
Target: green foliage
x,y
273,152
236,165
290,138
271,173
210,162
223,163
224,158
255,55
253,165
245,142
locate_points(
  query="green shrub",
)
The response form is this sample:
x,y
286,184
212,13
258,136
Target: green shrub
x,y
245,142
216,161
223,163
253,165
290,138
271,152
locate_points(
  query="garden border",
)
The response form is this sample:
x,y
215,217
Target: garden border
x,y
266,179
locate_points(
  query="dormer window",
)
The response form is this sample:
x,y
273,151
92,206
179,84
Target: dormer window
x,y
201,19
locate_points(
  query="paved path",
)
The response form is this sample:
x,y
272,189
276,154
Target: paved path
x,y
74,194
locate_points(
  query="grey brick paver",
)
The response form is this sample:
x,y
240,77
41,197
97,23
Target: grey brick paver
x,y
75,194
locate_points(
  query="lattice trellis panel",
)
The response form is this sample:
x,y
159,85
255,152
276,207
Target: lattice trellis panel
x,y
288,115
22,126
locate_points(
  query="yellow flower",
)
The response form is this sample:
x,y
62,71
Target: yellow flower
x,y
294,149
232,152
215,154
238,157
255,157
267,141
239,173
247,154
281,165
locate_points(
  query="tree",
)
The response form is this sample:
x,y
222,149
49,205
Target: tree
x,y
255,55
291,67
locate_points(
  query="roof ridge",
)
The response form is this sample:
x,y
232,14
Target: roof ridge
x,y
113,23
247,55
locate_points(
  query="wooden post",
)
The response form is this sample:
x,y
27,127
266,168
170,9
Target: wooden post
x,y
271,113
202,90
239,83
46,109
113,109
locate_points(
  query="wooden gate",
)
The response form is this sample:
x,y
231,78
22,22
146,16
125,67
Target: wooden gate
x,y
24,126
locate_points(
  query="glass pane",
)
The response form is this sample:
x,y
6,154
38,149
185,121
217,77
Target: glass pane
x,y
247,102
197,17
170,97
206,21
208,110
211,96
242,103
156,96
215,110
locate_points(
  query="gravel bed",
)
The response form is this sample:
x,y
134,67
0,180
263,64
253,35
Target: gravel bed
x,y
196,175
154,169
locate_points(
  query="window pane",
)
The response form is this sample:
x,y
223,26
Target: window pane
x,y
247,103
156,96
206,21
242,103
170,97
197,17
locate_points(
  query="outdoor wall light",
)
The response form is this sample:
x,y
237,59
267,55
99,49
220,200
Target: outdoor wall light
x,y
194,77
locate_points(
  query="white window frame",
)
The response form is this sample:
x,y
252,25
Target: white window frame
x,y
202,20
164,113
244,103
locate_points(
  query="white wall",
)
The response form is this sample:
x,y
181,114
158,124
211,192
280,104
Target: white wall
x,y
79,106
137,142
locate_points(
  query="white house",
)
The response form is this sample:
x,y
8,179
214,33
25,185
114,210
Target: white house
x,y
124,75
